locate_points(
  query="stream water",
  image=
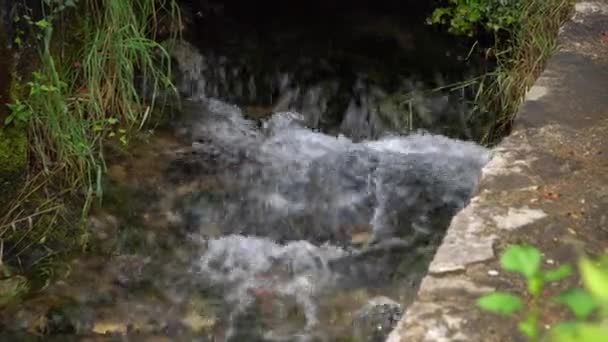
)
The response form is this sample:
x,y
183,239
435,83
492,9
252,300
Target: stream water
x,y
283,203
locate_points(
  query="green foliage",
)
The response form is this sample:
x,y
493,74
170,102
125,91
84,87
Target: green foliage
x,y
524,36
13,157
581,332
20,113
583,303
595,277
500,302
82,96
13,163
12,285
40,88
521,259
525,260
113,57
78,100
464,17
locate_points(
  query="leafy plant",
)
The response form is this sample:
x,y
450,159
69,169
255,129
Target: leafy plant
x,y
20,113
83,95
583,303
80,98
523,35
466,16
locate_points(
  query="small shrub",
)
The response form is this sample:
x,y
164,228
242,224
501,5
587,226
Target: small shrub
x,y
82,96
585,304
523,36
466,17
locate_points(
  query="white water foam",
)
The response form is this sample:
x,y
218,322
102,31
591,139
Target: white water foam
x,y
246,266
301,195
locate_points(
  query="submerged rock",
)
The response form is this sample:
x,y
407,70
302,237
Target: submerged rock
x,y
374,321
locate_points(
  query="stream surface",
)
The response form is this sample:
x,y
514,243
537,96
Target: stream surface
x,y
289,203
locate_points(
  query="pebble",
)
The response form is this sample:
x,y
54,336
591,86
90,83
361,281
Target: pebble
x,y
493,273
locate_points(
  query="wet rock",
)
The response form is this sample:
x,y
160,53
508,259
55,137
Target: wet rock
x,y
69,319
118,173
282,121
104,229
376,319
129,270
48,315
361,238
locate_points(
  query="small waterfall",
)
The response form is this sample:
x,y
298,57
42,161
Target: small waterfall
x,y
298,213
295,196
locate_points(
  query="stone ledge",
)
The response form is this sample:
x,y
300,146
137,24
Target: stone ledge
x,y
551,175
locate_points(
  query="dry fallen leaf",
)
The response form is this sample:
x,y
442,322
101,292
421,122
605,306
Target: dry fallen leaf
x,y
550,195
108,327
198,323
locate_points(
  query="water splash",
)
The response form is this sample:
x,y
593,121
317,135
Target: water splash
x,y
302,212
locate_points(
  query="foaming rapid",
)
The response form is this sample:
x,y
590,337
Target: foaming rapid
x,y
252,268
300,214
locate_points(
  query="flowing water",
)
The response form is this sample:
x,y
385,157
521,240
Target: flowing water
x,y
276,207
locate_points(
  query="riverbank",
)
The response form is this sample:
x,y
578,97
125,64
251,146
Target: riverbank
x,y
545,185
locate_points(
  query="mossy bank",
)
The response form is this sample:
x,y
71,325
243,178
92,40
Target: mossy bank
x,y
13,158
13,141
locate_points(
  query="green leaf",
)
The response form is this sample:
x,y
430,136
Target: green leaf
x,y
566,327
580,302
535,285
581,332
595,279
521,259
43,23
503,303
438,14
558,273
528,327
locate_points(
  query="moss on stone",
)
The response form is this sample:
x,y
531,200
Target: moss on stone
x,y
13,160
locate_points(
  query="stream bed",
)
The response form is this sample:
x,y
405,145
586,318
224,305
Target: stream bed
x,y
224,230
286,203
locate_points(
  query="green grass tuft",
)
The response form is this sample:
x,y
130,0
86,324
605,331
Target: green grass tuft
x,y
83,96
520,59
521,49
